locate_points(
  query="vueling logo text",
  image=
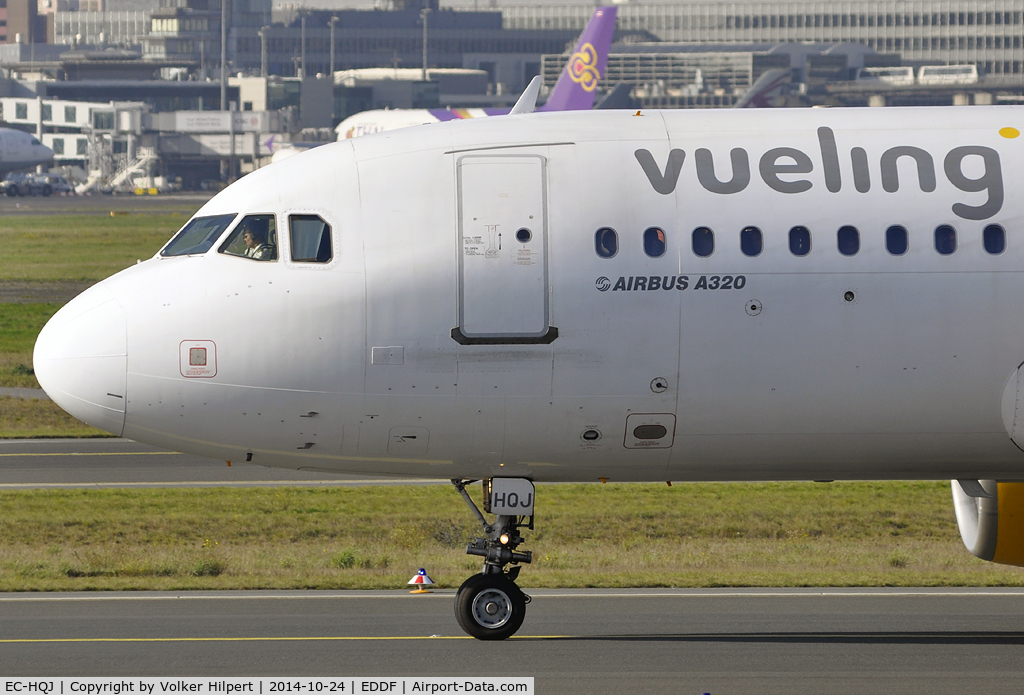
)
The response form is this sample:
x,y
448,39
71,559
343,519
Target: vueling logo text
x,y
789,160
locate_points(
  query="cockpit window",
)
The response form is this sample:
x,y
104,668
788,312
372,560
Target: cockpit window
x,y
311,239
198,236
255,237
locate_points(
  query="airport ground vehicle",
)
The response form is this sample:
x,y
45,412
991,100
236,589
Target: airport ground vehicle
x,y
19,184
57,183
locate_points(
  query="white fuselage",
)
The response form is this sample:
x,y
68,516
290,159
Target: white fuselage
x,y
380,120
19,151
819,366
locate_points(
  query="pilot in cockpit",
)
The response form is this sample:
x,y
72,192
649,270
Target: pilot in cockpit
x,y
255,238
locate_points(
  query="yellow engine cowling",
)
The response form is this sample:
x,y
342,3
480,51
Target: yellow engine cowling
x,y
990,515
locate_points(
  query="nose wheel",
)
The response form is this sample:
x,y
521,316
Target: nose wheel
x,y
490,606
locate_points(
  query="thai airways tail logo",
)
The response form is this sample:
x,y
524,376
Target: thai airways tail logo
x,y
583,67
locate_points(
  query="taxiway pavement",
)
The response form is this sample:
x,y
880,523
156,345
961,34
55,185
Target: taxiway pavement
x,y
573,641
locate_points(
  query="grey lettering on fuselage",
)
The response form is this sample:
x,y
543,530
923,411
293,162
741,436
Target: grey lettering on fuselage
x,y
991,180
663,183
830,159
770,168
861,174
925,168
705,163
780,161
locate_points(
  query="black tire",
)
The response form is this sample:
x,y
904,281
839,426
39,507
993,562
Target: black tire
x,y
11,191
47,190
490,607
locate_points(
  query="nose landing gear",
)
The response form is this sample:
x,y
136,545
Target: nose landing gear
x,y
489,605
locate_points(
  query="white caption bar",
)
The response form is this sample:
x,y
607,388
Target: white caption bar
x,y
265,686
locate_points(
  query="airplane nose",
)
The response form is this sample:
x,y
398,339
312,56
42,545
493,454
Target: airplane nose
x,y
81,359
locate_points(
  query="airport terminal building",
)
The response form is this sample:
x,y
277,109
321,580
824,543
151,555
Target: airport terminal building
x,y
987,33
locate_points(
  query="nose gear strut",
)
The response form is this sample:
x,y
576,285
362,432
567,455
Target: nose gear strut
x,y
489,605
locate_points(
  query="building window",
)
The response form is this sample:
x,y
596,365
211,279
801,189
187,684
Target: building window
x,y
82,147
21,110
58,146
70,114
103,120
47,112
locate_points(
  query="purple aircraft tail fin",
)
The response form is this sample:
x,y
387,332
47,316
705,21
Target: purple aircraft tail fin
x,y
770,83
577,84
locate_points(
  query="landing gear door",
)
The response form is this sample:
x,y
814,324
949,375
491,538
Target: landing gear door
x,y
503,268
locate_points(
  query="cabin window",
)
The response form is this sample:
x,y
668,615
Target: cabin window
x,y
703,242
848,240
255,238
198,236
751,241
310,239
945,239
896,240
606,242
654,242
994,239
800,241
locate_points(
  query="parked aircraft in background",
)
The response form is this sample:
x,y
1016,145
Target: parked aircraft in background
x,y
575,89
787,294
20,151
768,86
283,150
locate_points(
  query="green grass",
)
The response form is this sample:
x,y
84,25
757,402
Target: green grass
x,y
79,248
19,326
30,418
780,534
64,249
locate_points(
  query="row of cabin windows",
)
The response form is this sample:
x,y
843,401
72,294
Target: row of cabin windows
x,y
897,241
